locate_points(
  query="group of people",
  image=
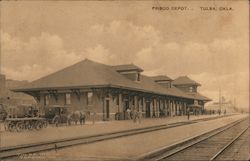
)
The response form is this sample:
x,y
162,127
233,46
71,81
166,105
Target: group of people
x,y
134,115
83,117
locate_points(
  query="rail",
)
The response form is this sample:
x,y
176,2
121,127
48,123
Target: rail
x,y
7,152
168,151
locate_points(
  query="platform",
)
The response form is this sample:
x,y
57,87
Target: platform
x,y
132,147
52,133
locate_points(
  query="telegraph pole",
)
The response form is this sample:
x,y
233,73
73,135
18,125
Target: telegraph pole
x,y
235,105
220,100
2,76
0,54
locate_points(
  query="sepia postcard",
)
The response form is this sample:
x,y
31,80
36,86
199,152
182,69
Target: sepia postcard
x,y
112,80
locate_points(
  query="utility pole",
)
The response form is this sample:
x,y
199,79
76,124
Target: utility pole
x,y
0,51
0,55
235,104
2,76
220,99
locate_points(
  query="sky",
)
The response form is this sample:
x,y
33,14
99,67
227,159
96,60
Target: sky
x,y
211,47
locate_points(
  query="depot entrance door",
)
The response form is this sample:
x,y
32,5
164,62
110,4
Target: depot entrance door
x,y
107,109
147,109
126,106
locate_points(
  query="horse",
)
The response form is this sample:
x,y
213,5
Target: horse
x,y
76,116
135,115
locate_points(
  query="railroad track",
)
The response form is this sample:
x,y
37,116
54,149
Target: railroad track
x,y
209,146
237,149
7,152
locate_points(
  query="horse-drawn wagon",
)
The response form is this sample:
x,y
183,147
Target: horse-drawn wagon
x,y
27,123
23,117
59,115
56,114
28,117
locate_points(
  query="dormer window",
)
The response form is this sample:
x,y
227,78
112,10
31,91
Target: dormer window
x,y
130,71
163,80
190,89
138,78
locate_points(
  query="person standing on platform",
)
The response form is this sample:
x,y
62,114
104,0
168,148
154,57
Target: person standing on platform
x,y
188,113
94,117
82,118
135,115
140,116
129,113
153,116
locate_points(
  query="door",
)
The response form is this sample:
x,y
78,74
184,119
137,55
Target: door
x,y
147,109
107,109
126,106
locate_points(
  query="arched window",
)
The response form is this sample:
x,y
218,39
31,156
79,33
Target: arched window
x,y
117,100
46,99
67,99
89,98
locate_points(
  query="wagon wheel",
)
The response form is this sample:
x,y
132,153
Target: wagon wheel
x,y
39,124
27,125
44,123
33,124
6,125
11,126
56,120
15,127
20,126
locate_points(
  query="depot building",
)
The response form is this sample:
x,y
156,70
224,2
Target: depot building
x,y
108,91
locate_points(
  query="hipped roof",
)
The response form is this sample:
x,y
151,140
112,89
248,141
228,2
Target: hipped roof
x,y
127,67
185,80
161,78
88,73
198,96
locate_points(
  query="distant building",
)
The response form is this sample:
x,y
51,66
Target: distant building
x,y
9,97
110,90
2,85
224,106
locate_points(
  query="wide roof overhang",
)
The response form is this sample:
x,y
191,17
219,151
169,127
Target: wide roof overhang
x,y
88,74
35,90
195,106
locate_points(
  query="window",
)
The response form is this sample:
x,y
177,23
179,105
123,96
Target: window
x,y
138,77
133,101
169,84
67,99
46,99
89,98
190,89
117,100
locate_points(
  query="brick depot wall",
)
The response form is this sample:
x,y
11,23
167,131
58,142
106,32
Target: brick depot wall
x,y
2,85
99,107
81,104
